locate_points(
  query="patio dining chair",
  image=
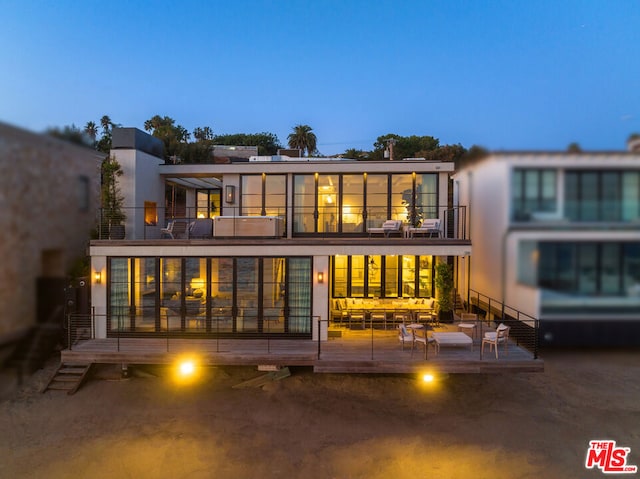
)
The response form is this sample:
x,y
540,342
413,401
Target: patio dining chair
x,y
405,336
468,322
497,337
420,336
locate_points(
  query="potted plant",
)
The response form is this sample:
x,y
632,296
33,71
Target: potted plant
x,y
113,216
444,292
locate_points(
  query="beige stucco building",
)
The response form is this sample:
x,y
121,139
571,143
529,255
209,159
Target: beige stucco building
x,y
49,196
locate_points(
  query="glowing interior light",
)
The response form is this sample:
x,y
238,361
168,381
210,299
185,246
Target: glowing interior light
x,y
428,378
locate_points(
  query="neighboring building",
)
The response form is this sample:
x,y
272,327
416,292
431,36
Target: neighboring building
x,y
49,195
557,236
285,240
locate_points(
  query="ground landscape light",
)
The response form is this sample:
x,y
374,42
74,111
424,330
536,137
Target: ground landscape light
x,y
186,370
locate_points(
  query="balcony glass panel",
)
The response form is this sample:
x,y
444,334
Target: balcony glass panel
x,y
426,196
304,204
328,197
377,199
402,200
352,203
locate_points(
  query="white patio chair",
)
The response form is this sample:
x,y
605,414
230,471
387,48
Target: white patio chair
x,y
494,338
420,336
405,336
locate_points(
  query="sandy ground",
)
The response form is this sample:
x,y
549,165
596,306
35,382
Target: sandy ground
x,y
324,426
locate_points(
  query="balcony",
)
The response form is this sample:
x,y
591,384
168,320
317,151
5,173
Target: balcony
x,y
280,225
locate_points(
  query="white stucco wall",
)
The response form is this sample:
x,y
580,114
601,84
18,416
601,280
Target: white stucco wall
x,y
140,182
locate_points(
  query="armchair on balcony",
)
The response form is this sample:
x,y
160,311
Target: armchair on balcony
x,y
175,229
201,228
428,227
389,227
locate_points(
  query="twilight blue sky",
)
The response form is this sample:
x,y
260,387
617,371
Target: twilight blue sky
x,y
500,74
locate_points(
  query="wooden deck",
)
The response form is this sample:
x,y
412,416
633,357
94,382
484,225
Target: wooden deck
x,y
355,352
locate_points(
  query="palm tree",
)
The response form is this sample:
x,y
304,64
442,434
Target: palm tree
x,y
303,138
106,123
91,129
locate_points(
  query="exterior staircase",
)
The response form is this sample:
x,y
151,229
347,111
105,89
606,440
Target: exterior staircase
x,y
68,377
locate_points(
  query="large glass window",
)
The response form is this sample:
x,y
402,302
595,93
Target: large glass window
x,y
589,268
533,191
376,276
210,295
325,203
602,195
264,195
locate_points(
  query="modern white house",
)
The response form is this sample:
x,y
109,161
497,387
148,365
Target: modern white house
x,y
556,235
261,246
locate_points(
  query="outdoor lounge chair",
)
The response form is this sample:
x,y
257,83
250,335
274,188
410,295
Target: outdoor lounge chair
x,y
494,338
389,227
428,227
175,229
201,228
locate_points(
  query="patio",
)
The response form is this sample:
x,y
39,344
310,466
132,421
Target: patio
x,y
346,351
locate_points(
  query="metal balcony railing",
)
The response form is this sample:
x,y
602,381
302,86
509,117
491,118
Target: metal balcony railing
x,y
140,223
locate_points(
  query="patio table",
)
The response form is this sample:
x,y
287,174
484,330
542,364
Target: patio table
x,y
452,339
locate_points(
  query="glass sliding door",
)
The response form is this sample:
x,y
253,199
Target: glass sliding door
x,y
275,195
304,201
340,276
352,206
377,200
426,197
239,296
374,279
328,196
145,295
299,295
195,280
208,203
391,276
119,294
171,294
402,198
221,303
273,295
246,294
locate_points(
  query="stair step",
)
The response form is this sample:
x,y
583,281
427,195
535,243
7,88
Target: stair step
x,y
68,377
